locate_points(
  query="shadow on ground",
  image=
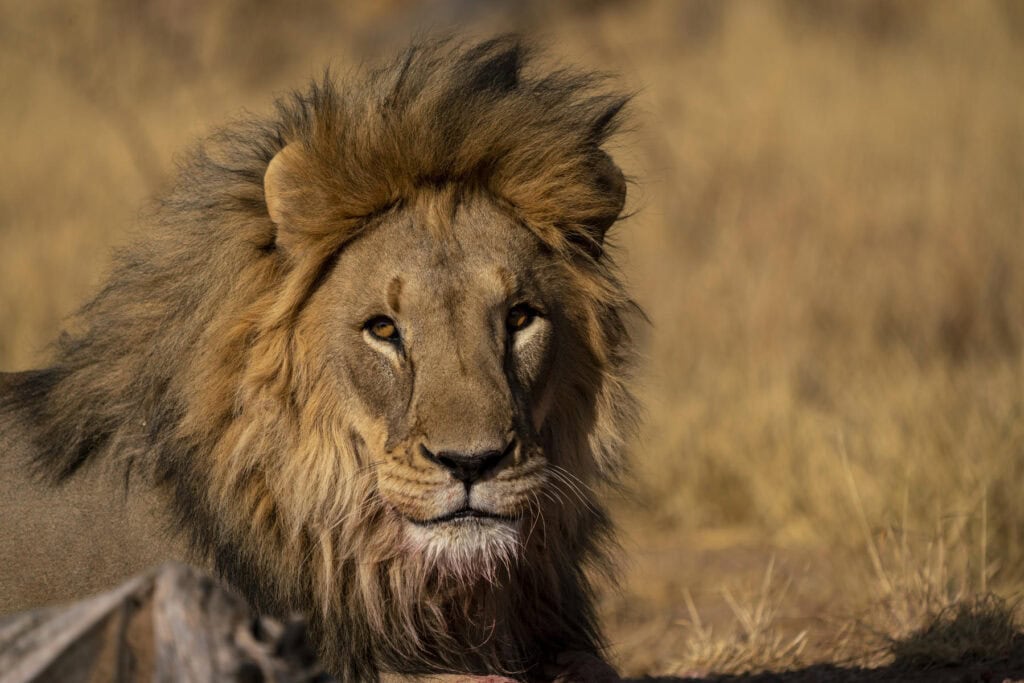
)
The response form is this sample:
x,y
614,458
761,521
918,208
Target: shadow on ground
x,y
1009,670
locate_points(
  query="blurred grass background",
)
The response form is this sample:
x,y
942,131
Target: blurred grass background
x,y
828,237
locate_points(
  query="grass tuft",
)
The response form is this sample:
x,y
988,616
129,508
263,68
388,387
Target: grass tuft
x,y
754,643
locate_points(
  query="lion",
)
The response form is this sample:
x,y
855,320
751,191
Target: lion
x,y
369,360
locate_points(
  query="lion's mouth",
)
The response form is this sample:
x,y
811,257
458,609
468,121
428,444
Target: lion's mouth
x,y
464,514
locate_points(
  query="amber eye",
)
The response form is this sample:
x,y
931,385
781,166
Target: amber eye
x,y
384,329
520,317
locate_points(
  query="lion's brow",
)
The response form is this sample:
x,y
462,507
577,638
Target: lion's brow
x,y
509,281
395,293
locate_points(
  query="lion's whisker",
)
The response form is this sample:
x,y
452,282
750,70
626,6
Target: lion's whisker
x,y
561,485
562,476
574,477
537,512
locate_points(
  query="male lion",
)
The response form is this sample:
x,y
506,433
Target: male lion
x,y
371,357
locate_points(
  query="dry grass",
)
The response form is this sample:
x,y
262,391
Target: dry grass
x,y
755,642
829,240
923,588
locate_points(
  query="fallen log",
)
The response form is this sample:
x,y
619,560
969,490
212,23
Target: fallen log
x,y
169,625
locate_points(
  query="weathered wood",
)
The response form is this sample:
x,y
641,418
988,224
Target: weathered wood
x,y
173,624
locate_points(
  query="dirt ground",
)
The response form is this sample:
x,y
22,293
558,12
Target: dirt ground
x,y
651,624
1009,671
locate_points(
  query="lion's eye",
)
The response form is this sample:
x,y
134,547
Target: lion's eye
x,y
520,317
384,329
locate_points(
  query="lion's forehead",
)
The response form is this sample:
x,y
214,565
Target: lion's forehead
x,y
478,256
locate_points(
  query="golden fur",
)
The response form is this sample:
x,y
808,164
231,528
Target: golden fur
x,y
202,363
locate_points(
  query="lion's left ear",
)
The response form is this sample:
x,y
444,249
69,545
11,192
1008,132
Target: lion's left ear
x,y
610,189
612,184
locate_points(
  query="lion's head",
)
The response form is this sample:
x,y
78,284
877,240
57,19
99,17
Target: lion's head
x,y
446,347
375,350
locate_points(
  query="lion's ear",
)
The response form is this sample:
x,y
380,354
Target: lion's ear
x,y
612,184
610,187
284,194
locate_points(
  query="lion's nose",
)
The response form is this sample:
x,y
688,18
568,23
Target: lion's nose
x,y
468,467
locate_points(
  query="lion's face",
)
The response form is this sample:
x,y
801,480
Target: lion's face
x,y
445,335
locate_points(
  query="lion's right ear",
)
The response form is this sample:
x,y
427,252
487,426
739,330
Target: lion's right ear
x,y
286,195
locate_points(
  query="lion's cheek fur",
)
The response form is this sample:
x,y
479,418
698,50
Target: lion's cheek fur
x,y
298,498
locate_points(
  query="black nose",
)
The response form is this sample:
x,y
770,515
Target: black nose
x,y
468,467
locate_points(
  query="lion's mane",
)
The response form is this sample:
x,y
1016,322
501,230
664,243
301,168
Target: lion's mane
x,y
185,369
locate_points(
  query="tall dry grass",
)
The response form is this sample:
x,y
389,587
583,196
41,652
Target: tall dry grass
x,y
829,239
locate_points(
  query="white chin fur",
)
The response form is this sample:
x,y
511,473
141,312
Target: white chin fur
x,y
467,548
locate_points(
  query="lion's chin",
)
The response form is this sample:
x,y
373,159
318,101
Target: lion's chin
x,y
467,547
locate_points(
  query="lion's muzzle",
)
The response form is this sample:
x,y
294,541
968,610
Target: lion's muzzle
x,y
470,467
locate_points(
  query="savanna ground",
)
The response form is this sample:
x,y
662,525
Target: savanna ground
x,y
828,236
